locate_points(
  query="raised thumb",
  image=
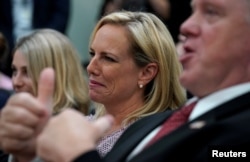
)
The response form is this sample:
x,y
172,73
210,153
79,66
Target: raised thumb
x,y
46,88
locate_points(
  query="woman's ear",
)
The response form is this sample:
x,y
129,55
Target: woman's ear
x,y
147,73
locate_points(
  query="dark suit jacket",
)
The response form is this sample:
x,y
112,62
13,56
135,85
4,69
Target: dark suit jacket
x,y
52,14
224,128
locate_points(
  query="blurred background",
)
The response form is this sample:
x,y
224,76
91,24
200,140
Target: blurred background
x,y
84,15
77,18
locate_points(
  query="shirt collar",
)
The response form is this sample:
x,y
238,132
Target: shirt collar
x,y
217,98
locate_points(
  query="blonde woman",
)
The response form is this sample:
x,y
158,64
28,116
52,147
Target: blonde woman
x,y
133,72
49,48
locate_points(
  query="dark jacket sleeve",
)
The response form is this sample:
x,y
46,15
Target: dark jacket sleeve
x,y
92,156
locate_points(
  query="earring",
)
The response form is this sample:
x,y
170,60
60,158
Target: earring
x,y
141,85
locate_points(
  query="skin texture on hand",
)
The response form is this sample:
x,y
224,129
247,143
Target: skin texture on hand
x,y
70,128
24,117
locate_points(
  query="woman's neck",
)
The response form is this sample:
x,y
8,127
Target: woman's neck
x,y
120,114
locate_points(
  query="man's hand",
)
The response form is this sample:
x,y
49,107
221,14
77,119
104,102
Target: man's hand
x,y
69,134
24,117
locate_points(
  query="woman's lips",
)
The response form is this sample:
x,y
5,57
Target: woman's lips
x,y
93,83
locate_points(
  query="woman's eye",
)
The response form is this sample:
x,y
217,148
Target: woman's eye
x,y
91,53
14,71
110,59
25,73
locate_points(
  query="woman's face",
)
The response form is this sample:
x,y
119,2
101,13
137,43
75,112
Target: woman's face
x,y
20,78
113,74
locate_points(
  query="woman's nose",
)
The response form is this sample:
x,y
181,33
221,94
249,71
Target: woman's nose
x,y
17,80
93,66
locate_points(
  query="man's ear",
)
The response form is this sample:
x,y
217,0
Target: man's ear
x,y
147,73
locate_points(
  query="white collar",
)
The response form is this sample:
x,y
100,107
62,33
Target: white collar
x,y
217,98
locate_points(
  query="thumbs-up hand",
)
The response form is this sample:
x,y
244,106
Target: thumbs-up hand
x,y
24,117
70,134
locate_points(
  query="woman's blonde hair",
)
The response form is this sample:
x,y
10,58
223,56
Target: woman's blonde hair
x,y
150,42
49,48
